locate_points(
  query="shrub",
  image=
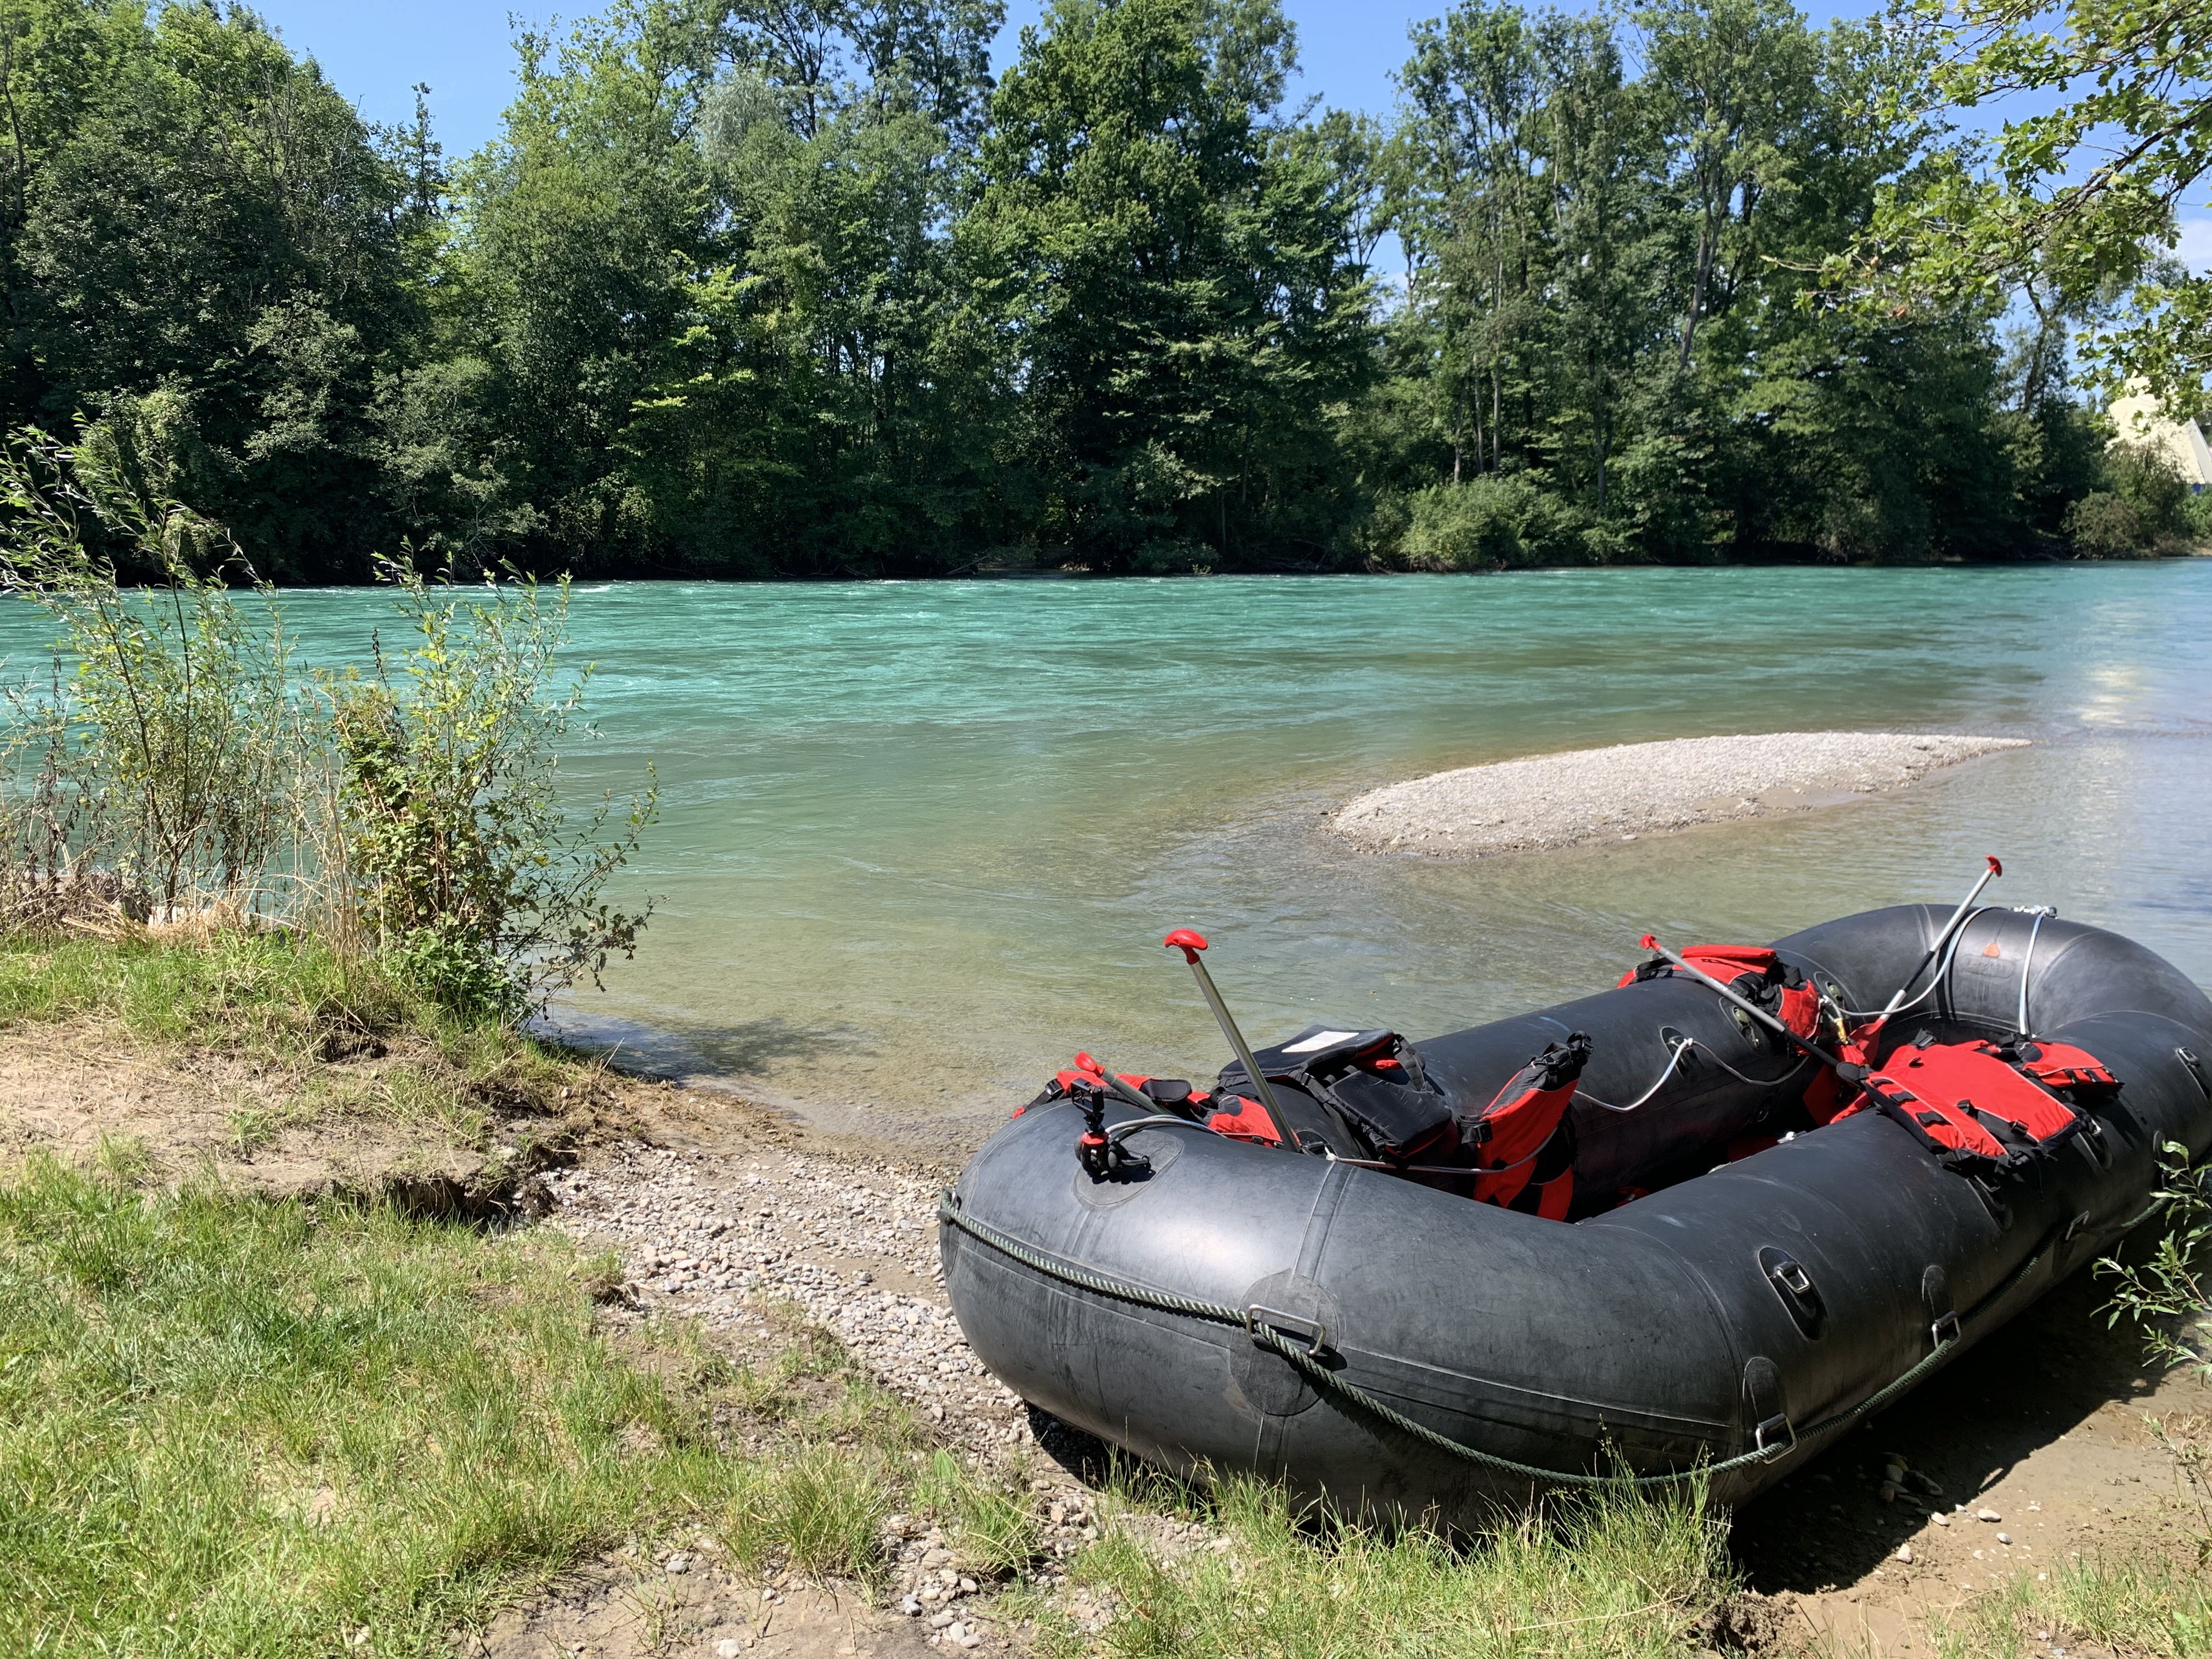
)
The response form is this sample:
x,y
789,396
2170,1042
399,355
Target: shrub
x,y
1497,519
2143,509
171,749
2104,526
175,755
463,865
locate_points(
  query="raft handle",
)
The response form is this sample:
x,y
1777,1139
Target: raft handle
x,y
1780,1425
1311,1332
2074,1228
2188,1058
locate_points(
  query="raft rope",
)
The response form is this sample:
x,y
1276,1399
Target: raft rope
x,y
1682,1046
2042,913
1326,1380
1950,954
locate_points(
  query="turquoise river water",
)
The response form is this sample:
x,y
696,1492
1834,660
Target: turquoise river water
x,y
919,841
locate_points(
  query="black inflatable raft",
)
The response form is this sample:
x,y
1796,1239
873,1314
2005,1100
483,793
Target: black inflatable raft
x,y
1333,1322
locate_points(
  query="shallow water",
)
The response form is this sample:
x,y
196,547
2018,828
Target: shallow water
x,y
920,841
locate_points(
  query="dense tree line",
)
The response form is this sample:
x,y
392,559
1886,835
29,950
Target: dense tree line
x,y
794,287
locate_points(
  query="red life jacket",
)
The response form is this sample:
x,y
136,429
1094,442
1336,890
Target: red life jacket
x,y
1248,1121
1754,972
1975,1103
1521,1143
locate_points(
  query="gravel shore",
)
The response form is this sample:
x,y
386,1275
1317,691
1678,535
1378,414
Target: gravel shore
x,y
741,1243
1637,789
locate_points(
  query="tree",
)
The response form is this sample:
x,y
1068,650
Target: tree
x,y
2078,194
203,247
1170,264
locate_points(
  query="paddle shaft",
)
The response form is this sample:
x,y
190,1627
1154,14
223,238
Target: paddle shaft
x,y
1991,872
1236,1037
1748,1006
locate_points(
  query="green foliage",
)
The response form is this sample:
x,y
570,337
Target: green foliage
x,y
230,1427
2103,135
201,244
189,751
1491,521
2170,1297
1170,265
182,756
754,289
464,866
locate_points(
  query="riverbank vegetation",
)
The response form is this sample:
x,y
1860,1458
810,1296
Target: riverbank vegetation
x,y
230,1427
179,769
801,289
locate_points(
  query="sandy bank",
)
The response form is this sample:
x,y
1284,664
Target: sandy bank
x,y
1635,789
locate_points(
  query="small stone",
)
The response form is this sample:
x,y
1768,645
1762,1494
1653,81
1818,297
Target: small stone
x,y
1904,1553
968,1585
728,1648
1893,1473
1987,1515
2004,1537
1940,1518
1888,1492
910,1605
940,1620
679,1563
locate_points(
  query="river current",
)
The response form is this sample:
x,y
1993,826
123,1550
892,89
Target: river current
x,y
919,841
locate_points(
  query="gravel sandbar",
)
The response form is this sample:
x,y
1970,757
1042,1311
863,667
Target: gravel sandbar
x,y
1635,789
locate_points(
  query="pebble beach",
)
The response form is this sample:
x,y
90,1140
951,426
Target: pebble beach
x,y
1628,791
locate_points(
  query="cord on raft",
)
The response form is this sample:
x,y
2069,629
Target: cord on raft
x,y
1682,1046
2041,912
1950,954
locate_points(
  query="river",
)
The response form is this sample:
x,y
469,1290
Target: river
x,y
919,841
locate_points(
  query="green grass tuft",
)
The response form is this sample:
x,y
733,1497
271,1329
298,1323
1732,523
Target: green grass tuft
x,y
229,1427
1615,1575
2147,1607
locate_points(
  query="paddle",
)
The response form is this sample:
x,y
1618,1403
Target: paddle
x,y
1190,943
1992,873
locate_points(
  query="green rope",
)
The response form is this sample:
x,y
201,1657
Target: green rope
x,y
1328,1382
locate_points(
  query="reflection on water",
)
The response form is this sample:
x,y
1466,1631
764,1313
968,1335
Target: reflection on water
x,y
921,841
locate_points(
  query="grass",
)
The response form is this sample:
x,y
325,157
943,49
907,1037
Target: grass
x,y
1616,1576
270,994
236,1427
292,1003
230,1427
2136,1607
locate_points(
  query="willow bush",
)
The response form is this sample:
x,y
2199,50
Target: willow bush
x,y
176,763
172,734
462,862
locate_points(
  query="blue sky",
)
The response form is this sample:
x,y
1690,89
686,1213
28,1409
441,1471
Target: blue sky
x,y
377,50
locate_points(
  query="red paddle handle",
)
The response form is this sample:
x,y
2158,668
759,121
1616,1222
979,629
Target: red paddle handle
x,y
1189,942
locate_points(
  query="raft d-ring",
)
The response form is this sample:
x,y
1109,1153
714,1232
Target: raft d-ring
x,y
1944,1330
1784,1437
2074,1228
1311,1332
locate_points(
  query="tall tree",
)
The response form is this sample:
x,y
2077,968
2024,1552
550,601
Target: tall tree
x,y
1171,268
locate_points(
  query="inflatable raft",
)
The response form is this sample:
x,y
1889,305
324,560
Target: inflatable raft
x,y
1697,1225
